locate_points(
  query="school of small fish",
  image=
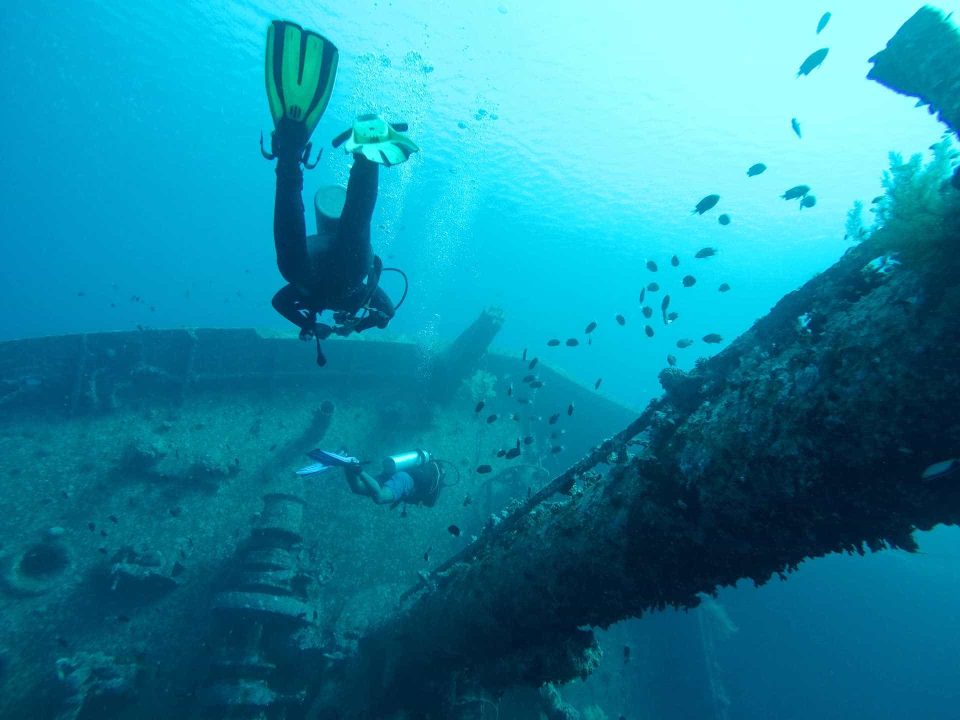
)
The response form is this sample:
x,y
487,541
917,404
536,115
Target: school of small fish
x,y
532,382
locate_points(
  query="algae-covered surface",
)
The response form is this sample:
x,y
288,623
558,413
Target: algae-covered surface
x,y
123,523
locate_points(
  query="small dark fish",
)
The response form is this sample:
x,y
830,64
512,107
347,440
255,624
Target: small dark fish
x,y
102,551
552,342
672,315
492,418
626,653
712,339
518,443
483,469
797,191
123,619
643,294
570,408
724,287
648,330
467,501
572,342
705,253
651,266
877,199
510,390
91,526
684,343
479,407
536,384
813,61
664,304
795,124
672,360
501,452
524,358
532,364
708,202
808,201
647,311
621,320
756,169
513,453
523,401
426,555
113,519
529,378
515,417
596,385
653,287
824,19
689,281
103,533
590,328
454,530
724,219
528,440
675,261
556,449
553,418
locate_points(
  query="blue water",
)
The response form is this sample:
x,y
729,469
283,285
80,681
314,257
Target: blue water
x,y
564,144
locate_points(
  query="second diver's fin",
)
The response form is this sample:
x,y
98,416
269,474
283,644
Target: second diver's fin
x,y
377,140
301,67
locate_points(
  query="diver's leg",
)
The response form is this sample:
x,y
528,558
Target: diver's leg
x,y
352,242
371,487
289,227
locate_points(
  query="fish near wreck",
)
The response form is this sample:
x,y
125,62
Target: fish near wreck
x,y
706,203
824,19
813,61
797,191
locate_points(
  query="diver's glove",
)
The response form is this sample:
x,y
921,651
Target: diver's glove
x,y
319,331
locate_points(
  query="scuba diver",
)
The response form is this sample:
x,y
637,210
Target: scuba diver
x,y
411,478
335,269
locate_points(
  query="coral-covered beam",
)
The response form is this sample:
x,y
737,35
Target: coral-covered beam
x,y
819,430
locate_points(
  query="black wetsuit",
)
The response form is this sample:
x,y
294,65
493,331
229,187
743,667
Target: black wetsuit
x,y
327,271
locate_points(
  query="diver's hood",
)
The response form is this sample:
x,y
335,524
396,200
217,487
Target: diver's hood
x,y
328,204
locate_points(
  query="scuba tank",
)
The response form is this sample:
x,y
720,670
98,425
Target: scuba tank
x,y
406,460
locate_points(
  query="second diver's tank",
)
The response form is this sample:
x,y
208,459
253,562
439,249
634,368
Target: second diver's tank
x,y
405,460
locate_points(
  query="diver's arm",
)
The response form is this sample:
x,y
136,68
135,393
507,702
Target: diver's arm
x,y
369,484
381,312
361,199
285,303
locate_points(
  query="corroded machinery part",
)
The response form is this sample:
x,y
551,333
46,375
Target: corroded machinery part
x,y
36,567
263,613
923,60
280,521
261,607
